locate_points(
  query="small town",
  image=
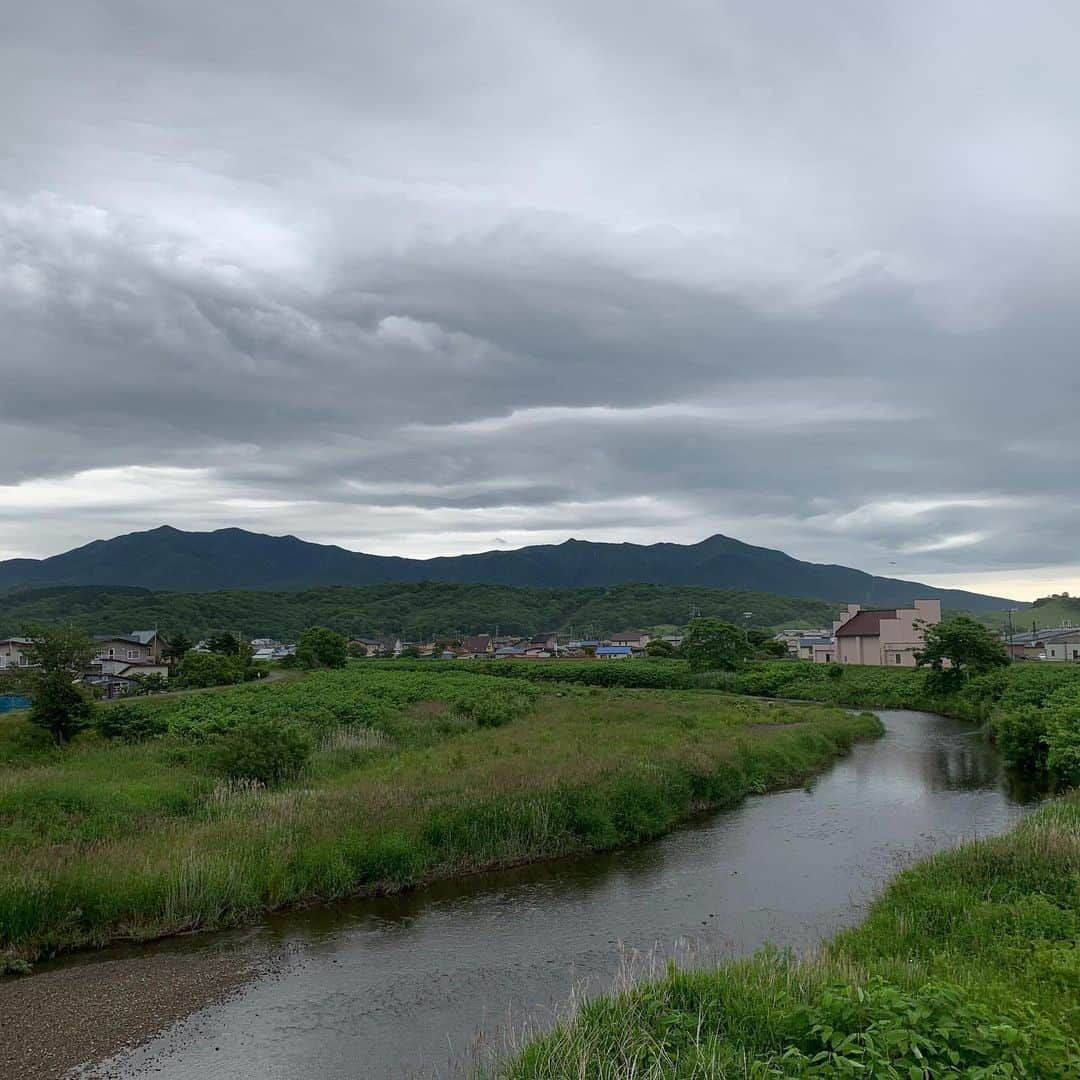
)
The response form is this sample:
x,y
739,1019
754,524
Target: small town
x,y
141,661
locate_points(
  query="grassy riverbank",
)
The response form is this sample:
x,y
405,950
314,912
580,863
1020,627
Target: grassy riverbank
x,y
967,966
1031,710
414,776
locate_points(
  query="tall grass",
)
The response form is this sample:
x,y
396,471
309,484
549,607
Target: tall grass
x,y
115,841
967,966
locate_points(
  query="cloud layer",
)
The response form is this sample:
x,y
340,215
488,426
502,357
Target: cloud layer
x,y
427,278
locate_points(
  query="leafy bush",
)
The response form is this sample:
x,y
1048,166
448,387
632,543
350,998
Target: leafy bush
x,y
881,1030
210,669
1021,736
267,750
1063,747
367,696
658,674
132,723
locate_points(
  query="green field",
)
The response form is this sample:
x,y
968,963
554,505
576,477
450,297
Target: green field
x,y
968,966
414,775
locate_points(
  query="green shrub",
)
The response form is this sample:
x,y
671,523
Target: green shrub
x,y
210,669
1063,748
132,723
1021,736
267,750
937,1030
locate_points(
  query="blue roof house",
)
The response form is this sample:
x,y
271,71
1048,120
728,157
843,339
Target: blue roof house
x,y
614,652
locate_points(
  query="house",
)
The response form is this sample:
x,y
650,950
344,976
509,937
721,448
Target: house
x,y
152,640
385,646
122,647
883,637
1065,647
364,646
390,646
130,667
614,652
478,644
116,677
807,647
13,652
109,686
634,638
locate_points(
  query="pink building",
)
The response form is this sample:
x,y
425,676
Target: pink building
x,y
883,637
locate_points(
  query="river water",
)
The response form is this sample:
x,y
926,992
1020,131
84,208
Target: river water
x,y
413,985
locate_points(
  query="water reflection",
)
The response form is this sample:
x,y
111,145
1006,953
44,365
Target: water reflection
x,y
401,985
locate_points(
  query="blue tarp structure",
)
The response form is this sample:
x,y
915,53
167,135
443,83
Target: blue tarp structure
x,y
11,701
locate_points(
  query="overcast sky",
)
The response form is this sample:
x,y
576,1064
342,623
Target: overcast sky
x,y
427,278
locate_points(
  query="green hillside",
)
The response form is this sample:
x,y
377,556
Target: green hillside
x,y
419,611
1050,611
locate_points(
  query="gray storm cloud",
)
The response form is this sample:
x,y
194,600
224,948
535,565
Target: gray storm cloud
x,y
427,278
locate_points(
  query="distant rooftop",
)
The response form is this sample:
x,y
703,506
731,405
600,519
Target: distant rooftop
x,y
866,623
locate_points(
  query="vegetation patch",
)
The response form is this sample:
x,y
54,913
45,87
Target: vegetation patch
x,y
209,809
1030,709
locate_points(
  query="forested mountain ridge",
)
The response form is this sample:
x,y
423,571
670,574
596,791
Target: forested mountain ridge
x,y
169,559
416,611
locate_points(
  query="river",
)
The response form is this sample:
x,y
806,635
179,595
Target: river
x,y
412,985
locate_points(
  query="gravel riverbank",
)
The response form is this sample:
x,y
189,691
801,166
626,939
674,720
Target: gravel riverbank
x,y
81,1013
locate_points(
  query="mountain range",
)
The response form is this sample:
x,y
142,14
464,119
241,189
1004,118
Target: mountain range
x,y
171,559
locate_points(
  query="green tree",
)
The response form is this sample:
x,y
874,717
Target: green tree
x,y
772,649
714,645
210,669
957,648
177,647
660,648
226,644
321,647
56,659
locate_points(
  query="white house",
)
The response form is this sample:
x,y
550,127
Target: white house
x,y
13,652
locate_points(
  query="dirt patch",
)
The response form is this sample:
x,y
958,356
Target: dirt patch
x,y
55,1020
